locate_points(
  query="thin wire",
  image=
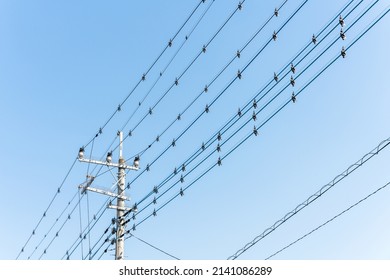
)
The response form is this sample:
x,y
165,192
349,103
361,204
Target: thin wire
x,y
382,145
214,165
88,217
225,89
208,86
329,221
247,137
81,225
213,138
98,241
100,131
57,234
47,208
76,244
337,179
154,247
166,67
185,70
52,226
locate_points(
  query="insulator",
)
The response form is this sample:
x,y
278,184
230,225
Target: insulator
x,y
274,36
292,68
254,104
254,117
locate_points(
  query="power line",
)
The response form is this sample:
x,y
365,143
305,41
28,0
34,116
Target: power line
x,y
152,246
58,232
247,137
176,82
314,197
214,137
106,123
168,64
206,88
47,208
169,44
52,226
329,221
222,91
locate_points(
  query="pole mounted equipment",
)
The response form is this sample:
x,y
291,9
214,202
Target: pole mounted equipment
x,y
120,195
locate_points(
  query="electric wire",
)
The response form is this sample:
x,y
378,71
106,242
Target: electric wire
x,y
381,146
47,208
224,89
176,82
102,127
266,121
168,64
339,177
224,129
209,85
98,241
57,233
100,131
52,226
81,225
152,246
329,221
86,193
353,43
78,241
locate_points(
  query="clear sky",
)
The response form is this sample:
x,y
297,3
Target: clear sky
x,y
66,65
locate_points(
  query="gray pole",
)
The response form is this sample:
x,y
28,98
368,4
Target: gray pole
x,y
120,242
121,198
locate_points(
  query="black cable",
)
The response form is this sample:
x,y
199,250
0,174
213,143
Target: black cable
x,y
185,70
47,208
224,129
100,131
225,88
166,67
247,137
154,247
52,226
328,221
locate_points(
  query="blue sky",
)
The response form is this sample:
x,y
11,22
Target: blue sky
x,y
66,65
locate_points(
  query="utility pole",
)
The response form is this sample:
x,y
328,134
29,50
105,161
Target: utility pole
x,y
120,196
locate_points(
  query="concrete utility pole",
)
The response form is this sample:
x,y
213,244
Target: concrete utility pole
x,y
120,196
